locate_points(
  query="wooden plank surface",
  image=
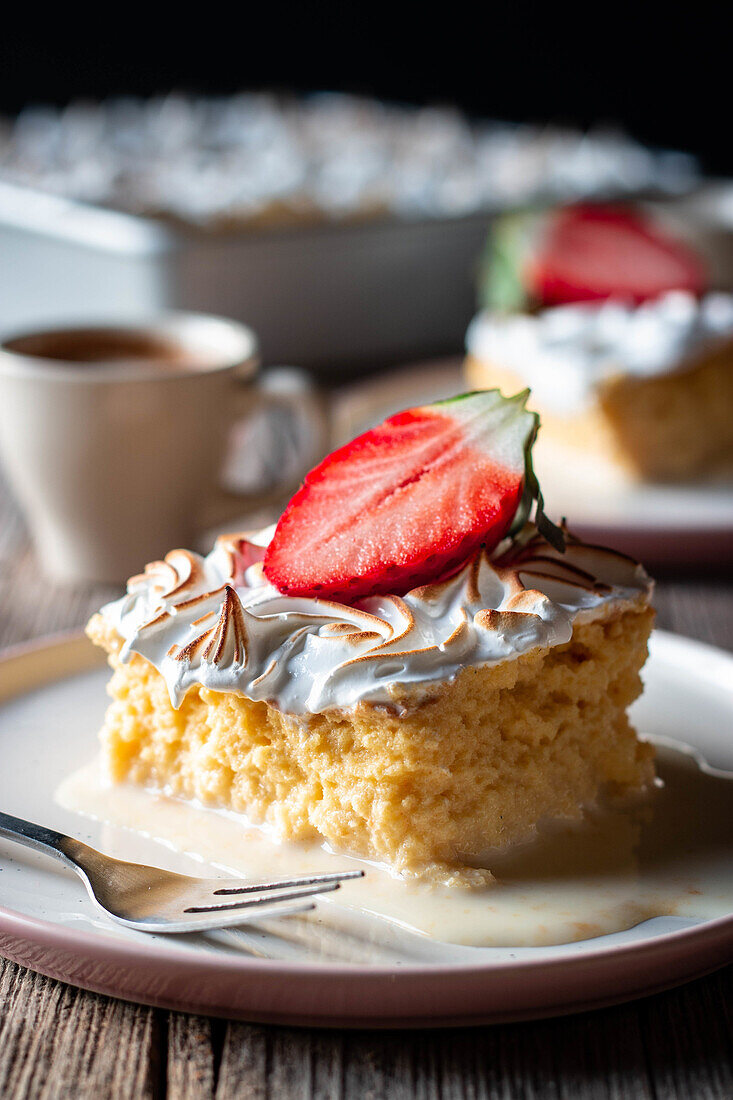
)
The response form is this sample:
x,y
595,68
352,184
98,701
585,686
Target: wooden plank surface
x,y
58,1042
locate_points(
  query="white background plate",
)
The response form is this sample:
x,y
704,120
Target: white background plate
x,y
48,728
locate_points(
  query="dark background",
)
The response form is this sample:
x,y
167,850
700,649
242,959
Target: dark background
x,y
664,75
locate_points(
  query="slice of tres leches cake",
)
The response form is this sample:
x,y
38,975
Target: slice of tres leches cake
x,y
409,667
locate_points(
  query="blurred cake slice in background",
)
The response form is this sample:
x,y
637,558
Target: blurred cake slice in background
x,y
610,323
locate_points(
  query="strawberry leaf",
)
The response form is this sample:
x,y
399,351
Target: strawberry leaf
x,y
532,495
502,284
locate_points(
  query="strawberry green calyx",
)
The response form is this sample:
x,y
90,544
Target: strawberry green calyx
x,y
508,430
502,285
533,493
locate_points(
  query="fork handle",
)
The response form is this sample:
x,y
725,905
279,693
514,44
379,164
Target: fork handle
x,y
35,836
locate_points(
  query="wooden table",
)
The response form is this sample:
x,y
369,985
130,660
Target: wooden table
x,y
57,1041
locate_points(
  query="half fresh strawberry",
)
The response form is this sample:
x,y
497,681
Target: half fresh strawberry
x,y
407,502
589,253
584,253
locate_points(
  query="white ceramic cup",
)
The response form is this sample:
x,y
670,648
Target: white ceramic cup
x,y
113,436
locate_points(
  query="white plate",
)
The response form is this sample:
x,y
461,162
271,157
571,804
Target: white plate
x,y
51,703
661,524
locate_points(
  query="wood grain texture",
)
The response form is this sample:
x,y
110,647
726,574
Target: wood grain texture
x,y
658,1048
191,1057
57,1042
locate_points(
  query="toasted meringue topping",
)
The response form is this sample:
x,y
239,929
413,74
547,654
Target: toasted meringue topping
x,y
216,621
566,352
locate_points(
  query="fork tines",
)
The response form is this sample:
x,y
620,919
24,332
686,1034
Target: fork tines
x,y
302,886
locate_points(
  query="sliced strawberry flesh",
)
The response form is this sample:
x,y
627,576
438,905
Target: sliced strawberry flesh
x,y
591,253
405,503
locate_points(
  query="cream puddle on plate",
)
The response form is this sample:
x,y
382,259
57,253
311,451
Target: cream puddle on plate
x,y
346,967
666,854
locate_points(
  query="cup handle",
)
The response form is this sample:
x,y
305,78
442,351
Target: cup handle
x,y
293,390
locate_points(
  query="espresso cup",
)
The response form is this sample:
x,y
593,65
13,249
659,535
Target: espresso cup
x,y
113,437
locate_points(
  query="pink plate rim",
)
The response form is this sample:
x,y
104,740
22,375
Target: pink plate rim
x,y
67,937
268,991
353,995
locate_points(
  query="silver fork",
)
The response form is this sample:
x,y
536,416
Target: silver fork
x,y
149,899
